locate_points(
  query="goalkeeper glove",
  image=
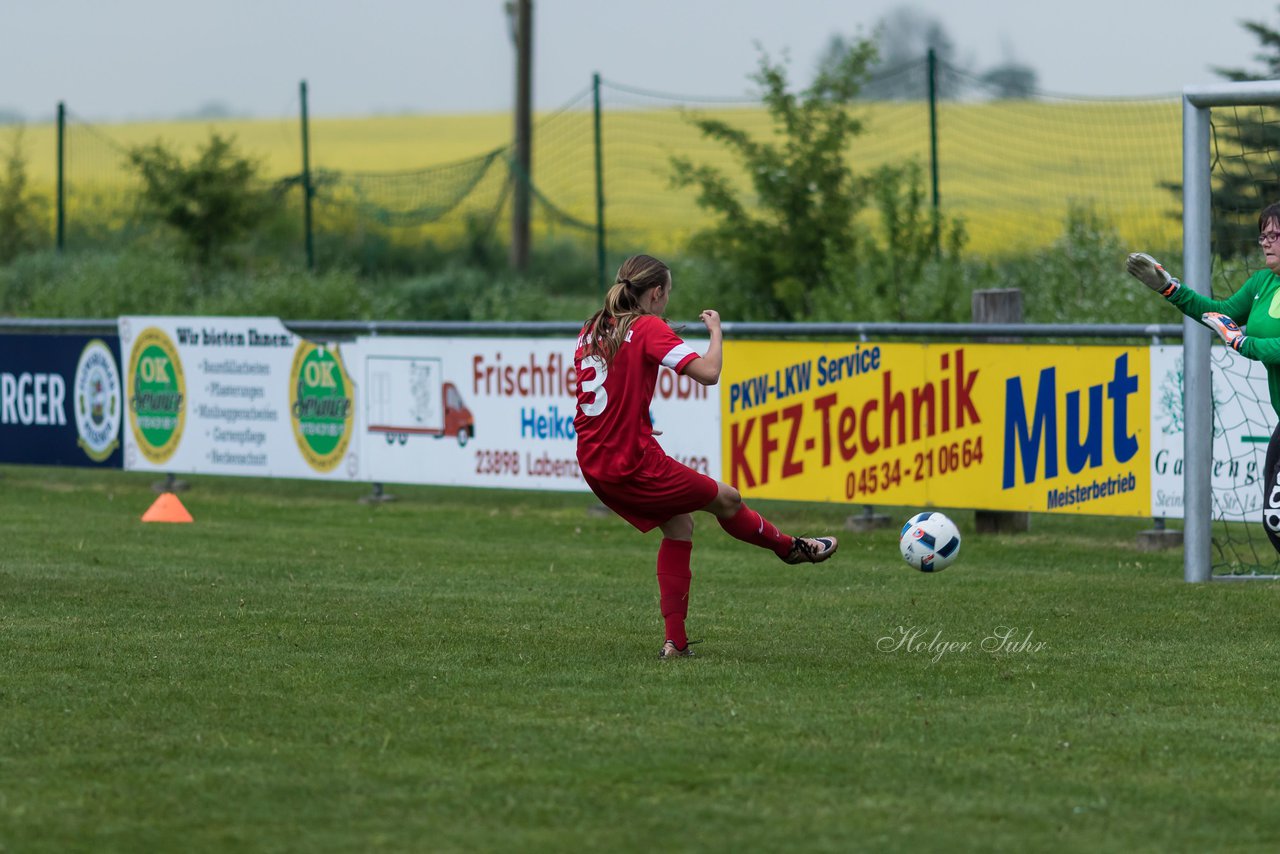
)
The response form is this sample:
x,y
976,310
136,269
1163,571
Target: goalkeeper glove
x,y
1226,328
1147,270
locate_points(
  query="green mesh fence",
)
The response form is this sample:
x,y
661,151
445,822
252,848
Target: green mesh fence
x,y
641,131
471,198
100,191
564,188
439,197
1010,169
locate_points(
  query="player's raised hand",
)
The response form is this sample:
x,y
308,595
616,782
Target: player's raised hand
x,y
711,318
1226,328
1147,270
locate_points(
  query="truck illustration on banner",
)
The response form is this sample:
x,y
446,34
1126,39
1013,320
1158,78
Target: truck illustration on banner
x,y
408,396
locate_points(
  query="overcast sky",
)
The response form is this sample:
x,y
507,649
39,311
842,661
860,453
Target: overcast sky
x,y
133,59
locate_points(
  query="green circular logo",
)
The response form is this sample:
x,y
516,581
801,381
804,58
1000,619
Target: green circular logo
x,y
320,403
157,395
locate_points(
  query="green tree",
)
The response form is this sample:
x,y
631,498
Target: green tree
x,y
807,197
1011,81
1245,179
1269,56
903,37
796,244
212,201
24,215
910,268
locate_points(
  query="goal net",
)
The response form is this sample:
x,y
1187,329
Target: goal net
x,y
1231,170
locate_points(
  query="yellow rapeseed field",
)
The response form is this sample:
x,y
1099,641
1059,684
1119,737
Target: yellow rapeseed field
x,y
1009,170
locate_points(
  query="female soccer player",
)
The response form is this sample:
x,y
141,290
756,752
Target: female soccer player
x,y
618,355
1256,305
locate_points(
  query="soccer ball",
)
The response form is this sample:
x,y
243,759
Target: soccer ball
x,y
930,542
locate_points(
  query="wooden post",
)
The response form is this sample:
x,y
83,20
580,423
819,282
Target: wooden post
x,y
998,305
522,156
1002,305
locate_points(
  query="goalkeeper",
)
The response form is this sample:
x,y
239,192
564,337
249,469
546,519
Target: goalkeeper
x,y
1255,306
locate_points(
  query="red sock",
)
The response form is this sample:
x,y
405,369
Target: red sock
x,y
750,527
673,587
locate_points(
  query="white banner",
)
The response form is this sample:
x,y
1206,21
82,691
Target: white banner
x,y
498,412
245,396
235,396
1242,423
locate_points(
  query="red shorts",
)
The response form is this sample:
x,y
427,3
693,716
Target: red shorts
x,y
657,491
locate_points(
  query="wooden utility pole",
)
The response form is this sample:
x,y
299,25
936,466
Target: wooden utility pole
x,y
522,158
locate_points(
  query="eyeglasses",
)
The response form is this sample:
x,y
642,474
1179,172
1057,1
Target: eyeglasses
x,y
1268,237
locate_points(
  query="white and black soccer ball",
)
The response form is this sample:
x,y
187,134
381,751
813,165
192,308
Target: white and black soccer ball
x,y
930,542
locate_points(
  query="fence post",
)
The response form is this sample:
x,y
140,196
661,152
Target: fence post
x,y
306,179
60,230
599,136
933,151
1000,305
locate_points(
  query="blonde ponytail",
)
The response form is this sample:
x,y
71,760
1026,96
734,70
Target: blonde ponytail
x,y
607,328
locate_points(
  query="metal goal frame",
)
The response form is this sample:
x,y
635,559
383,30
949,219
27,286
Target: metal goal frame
x,y
1197,263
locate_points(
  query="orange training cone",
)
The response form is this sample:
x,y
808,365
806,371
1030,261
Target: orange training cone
x,y
167,508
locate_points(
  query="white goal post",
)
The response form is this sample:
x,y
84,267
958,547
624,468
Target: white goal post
x,y
1197,263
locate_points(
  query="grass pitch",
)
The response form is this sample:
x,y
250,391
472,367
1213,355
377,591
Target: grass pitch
x,y
468,670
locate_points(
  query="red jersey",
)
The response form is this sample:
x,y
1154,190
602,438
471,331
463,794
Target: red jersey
x,y
612,421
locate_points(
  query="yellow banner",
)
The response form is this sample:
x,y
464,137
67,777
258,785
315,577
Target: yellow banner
x,y
983,426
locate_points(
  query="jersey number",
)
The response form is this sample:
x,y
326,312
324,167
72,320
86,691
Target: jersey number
x,y
595,384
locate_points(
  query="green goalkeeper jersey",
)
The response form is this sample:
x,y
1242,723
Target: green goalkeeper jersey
x,y
1256,306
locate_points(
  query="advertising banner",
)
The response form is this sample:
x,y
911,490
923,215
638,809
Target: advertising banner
x,y
1242,423
994,426
498,412
61,400
235,396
